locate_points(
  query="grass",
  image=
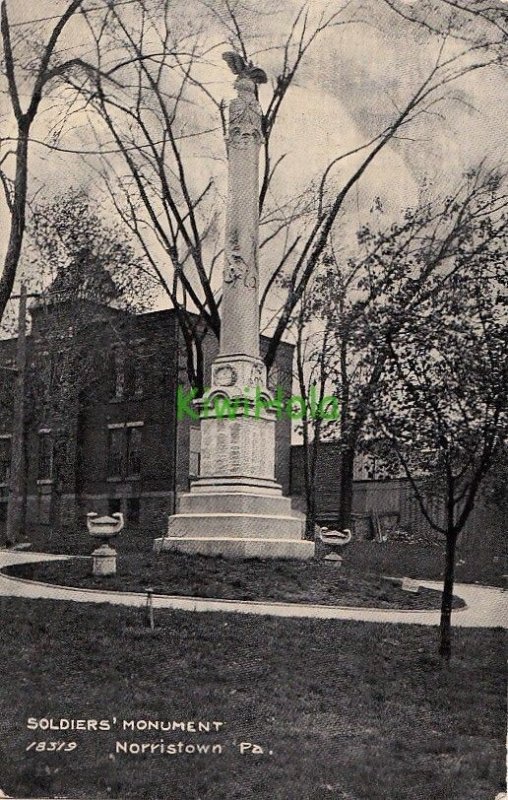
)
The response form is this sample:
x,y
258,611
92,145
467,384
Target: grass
x,y
426,561
350,711
73,540
483,564
200,576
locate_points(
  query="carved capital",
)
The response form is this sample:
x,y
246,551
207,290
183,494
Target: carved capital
x,y
245,116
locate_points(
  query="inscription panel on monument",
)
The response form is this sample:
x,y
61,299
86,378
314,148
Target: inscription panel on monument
x,y
235,447
207,447
243,446
222,446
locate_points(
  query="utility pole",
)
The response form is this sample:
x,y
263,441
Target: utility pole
x,y
16,503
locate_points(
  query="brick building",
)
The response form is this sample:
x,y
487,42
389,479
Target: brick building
x,y
101,428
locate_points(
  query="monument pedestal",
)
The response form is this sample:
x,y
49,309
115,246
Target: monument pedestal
x,y
236,508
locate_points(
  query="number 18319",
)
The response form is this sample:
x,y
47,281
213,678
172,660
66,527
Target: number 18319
x,y
52,747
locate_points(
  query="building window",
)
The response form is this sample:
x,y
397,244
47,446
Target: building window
x,y
115,452
273,378
139,379
126,376
129,378
133,452
56,362
43,368
117,374
124,450
5,460
194,452
114,505
133,510
45,463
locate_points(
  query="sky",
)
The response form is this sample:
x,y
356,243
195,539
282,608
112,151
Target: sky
x,y
349,84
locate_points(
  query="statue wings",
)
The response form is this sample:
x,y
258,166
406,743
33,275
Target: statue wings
x,y
240,67
235,63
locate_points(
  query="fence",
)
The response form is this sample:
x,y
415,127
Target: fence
x,y
395,502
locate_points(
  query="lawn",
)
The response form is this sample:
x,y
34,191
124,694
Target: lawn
x,y
486,564
349,711
235,579
427,561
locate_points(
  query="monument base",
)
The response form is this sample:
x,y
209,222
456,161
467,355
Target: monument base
x,y
236,525
238,547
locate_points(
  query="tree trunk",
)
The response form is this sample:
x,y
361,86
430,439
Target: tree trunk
x,y
17,482
310,519
445,643
17,218
346,489
309,468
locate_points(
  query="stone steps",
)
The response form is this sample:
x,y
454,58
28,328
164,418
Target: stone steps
x,y
236,525
238,547
231,503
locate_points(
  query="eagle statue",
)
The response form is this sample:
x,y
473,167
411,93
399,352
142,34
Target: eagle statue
x,y
244,69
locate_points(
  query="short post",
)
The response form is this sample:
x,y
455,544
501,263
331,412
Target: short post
x,y
149,607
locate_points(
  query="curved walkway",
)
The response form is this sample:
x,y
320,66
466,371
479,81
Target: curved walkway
x,y
486,607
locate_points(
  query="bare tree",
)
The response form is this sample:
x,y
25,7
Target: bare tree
x,y
313,351
88,283
45,71
155,112
481,21
445,415
166,103
368,300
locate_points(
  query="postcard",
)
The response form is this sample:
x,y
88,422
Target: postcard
x,y
253,399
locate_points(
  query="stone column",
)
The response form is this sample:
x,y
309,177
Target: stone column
x,y
240,301
238,450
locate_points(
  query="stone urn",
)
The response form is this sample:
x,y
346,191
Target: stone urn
x,y
335,538
104,529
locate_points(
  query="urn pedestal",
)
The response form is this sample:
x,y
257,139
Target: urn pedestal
x,y
104,561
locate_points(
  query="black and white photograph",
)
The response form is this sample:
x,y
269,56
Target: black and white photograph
x,y
253,399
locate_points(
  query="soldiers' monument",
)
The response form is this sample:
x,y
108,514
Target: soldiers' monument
x,y
235,507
